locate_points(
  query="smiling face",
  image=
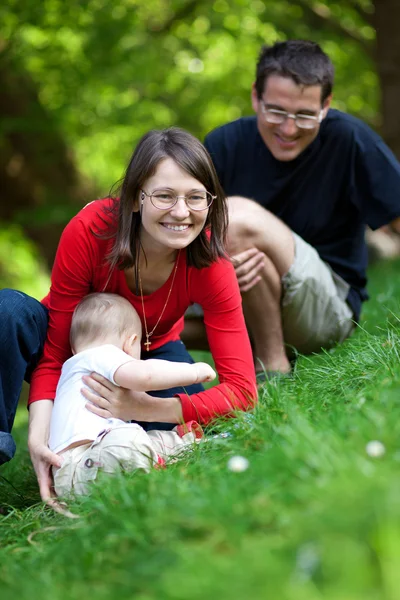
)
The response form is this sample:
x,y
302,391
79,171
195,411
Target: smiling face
x,y
286,141
173,228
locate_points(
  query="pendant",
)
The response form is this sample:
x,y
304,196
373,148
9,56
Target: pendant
x,y
147,344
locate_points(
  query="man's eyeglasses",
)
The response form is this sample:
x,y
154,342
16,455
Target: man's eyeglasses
x,y
196,200
277,117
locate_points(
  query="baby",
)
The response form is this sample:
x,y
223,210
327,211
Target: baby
x,y
105,338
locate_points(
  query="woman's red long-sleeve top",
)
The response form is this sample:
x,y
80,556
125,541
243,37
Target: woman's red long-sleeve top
x,y
80,268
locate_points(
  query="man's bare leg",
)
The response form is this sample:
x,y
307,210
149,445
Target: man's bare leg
x,y
251,226
194,334
261,307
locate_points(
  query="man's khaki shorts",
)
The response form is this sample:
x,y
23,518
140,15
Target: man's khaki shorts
x,y
125,447
315,313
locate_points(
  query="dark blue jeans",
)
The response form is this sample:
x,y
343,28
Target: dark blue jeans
x,y
23,327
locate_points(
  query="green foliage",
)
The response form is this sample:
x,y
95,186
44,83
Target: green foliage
x,y
314,515
20,266
109,73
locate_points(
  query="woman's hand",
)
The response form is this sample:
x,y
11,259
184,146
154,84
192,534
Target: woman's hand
x,y
42,458
108,400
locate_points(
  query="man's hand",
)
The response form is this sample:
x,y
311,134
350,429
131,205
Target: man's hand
x,y
248,266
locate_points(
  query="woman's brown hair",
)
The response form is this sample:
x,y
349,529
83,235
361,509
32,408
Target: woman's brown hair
x,y
192,157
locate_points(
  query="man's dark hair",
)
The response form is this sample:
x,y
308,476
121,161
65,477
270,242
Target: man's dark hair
x,y
300,60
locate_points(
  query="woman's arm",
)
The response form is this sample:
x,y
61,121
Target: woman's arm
x,y
216,289
107,400
71,280
42,458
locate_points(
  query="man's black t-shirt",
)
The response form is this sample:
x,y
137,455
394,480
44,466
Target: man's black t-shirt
x,y
346,178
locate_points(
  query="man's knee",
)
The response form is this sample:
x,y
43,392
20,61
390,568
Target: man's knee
x,y
243,222
253,226
250,224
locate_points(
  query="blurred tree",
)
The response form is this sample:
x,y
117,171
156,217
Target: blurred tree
x,y
385,19
20,265
35,166
373,25
82,81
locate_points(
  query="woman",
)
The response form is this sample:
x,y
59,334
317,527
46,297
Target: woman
x,y
160,245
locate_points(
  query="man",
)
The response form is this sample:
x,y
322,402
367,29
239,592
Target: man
x,y
303,181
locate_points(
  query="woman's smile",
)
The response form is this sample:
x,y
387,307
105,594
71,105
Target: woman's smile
x,y
176,227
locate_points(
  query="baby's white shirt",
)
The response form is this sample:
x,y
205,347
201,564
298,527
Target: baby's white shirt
x,y
71,421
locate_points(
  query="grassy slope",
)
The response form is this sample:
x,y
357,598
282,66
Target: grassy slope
x,y
312,517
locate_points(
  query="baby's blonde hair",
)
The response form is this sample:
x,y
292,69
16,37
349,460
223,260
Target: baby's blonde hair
x,y
103,316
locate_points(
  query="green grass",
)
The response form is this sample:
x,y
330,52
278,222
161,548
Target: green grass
x,y
312,517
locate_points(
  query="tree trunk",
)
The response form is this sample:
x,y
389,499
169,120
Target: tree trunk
x,y
386,22
41,187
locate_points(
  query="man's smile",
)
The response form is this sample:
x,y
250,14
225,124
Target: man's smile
x,y
287,143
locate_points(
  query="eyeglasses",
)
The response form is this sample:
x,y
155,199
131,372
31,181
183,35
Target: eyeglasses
x,y
277,117
164,199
